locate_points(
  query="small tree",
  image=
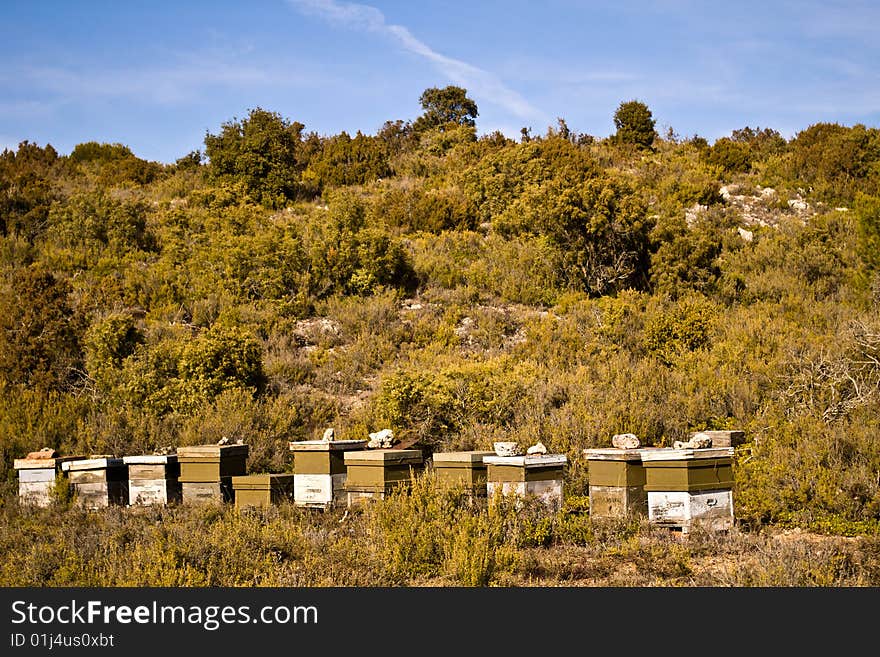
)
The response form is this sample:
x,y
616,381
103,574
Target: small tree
x,y
444,106
635,125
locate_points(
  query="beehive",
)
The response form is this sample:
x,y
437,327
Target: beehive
x,y
617,483
320,472
537,475
464,469
725,438
153,479
36,478
374,473
262,490
98,482
206,471
690,486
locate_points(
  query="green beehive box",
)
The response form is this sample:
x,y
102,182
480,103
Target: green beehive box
x,y
322,457
617,483
688,470
380,470
539,467
464,469
203,463
262,489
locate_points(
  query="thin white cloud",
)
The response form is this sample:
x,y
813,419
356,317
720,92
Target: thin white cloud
x,y
481,83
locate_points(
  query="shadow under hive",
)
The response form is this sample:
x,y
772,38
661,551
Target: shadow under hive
x,y
206,472
617,483
36,478
320,472
374,473
153,479
462,469
538,475
689,486
99,482
262,490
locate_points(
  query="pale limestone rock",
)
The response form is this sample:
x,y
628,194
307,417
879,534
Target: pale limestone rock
x,y
507,448
381,439
328,435
537,448
625,441
747,235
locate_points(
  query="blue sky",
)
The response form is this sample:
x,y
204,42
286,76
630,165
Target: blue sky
x,y
158,75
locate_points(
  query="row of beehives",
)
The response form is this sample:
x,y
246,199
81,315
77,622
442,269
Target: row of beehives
x,y
325,474
674,487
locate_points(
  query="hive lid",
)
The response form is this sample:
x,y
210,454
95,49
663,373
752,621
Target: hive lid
x,y
384,456
460,457
686,453
92,464
528,461
28,464
150,459
613,454
212,451
325,445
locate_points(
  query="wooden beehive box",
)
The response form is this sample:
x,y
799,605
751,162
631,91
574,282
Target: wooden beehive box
x,y
462,469
538,475
36,478
262,489
207,492
689,486
153,479
320,472
725,438
211,463
98,482
617,483
376,472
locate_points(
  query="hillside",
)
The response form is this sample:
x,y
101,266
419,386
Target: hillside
x,y
459,289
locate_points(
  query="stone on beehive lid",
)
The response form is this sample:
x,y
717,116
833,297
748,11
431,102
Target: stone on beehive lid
x,y
153,479
320,472
262,489
625,441
374,473
538,475
537,448
688,486
381,439
465,469
212,463
617,482
98,482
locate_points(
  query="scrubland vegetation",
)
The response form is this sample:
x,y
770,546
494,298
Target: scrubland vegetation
x,y
459,289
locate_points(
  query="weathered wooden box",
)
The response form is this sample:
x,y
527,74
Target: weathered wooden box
x,y
204,463
320,472
462,469
153,479
36,478
617,483
725,438
690,486
207,492
373,473
538,475
98,482
262,489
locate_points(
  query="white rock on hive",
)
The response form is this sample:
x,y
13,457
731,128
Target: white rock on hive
x,y
381,439
328,435
537,448
625,441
